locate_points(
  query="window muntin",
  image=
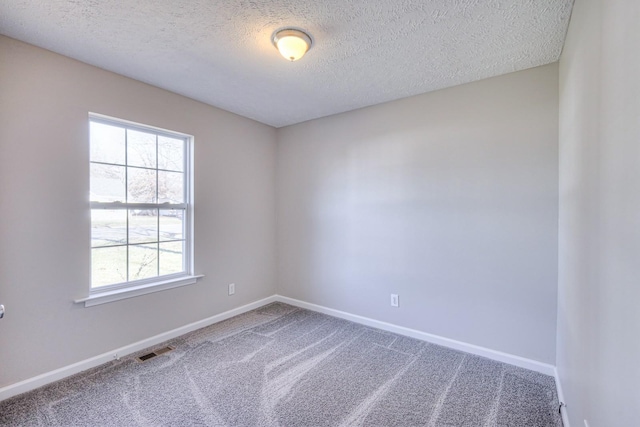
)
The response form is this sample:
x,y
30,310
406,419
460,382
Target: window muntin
x,y
140,207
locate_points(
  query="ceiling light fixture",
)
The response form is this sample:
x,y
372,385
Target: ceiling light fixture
x,y
291,43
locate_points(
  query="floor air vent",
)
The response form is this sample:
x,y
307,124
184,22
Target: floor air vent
x,y
155,353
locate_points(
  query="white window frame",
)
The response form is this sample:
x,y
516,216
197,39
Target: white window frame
x,y
118,291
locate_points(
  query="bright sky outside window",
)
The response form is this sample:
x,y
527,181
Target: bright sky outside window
x,y
139,204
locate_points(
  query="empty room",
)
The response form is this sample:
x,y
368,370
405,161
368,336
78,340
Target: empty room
x,y
320,213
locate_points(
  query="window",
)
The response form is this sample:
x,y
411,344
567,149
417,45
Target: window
x,y
140,205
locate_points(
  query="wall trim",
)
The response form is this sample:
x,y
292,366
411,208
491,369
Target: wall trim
x,y
563,409
66,371
533,365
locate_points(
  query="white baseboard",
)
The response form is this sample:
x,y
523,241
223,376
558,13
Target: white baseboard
x,y
58,374
511,359
563,410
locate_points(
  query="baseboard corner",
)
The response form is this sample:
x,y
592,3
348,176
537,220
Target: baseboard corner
x,y
563,408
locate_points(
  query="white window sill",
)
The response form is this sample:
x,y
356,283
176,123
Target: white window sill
x,y
97,298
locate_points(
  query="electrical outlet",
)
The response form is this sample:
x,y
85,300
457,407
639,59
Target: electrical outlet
x,y
395,301
232,288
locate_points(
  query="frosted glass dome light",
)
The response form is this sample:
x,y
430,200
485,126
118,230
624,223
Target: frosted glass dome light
x,y
292,44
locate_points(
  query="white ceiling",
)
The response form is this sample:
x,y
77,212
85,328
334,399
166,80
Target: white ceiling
x,y
365,52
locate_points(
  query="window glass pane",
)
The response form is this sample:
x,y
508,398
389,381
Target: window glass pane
x,y
108,227
171,224
107,143
143,261
171,259
143,225
170,187
134,165
142,185
141,149
108,266
170,153
107,183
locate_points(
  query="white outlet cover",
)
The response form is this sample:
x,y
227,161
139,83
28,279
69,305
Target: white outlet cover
x,y
395,300
232,288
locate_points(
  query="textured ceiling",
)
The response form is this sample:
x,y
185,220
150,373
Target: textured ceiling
x,y
365,51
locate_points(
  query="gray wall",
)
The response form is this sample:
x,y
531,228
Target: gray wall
x,y
599,236
44,225
449,199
